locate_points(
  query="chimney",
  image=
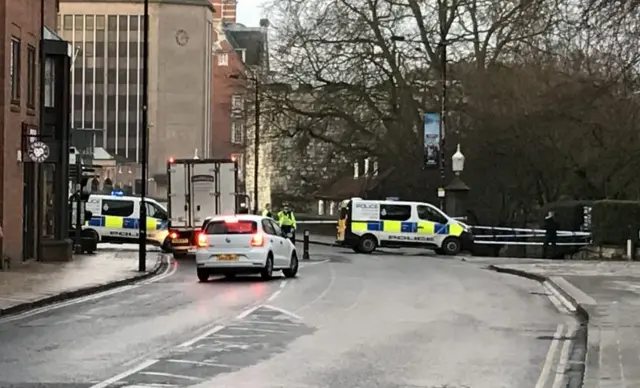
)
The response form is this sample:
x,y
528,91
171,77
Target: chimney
x,y
225,10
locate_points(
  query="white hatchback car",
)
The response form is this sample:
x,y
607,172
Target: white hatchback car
x,y
244,244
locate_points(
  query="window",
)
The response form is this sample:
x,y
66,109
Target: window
x,y
117,208
68,22
242,53
14,75
31,77
90,21
429,214
154,211
276,228
239,158
268,227
237,102
237,132
100,23
223,59
238,227
395,212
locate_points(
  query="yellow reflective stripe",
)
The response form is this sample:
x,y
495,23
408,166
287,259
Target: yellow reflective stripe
x,y
455,229
152,223
426,227
113,222
358,226
392,226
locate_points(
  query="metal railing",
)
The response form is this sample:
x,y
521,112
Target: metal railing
x,y
491,235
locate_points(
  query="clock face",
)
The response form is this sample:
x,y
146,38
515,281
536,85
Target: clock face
x,y
182,38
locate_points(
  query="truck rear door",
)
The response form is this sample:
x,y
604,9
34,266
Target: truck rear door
x,y
178,205
227,188
204,203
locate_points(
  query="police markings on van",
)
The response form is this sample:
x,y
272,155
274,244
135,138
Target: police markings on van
x,y
365,225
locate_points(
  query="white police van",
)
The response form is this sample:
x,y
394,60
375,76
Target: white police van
x,y
115,218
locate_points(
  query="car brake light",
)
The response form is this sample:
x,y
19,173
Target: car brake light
x,y
173,235
202,240
257,240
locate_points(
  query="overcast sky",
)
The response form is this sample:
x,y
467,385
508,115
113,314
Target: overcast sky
x,y
250,12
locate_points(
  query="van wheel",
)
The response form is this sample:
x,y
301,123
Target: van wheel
x,y
166,245
368,244
203,275
451,246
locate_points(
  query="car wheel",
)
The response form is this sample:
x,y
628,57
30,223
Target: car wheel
x,y
267,271
203,275
367,244
292,271
166,245
451,246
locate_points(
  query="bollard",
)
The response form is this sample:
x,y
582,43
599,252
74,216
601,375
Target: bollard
x,y
631,250
305,245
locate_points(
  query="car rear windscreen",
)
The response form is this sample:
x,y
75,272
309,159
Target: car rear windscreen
x,y
237,227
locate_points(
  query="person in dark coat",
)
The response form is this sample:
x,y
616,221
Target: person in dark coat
x,y
550,236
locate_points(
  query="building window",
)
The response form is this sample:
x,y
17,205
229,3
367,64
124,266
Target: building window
x,y
49,82
31,77
237,132
223,59
67,22
15,70
237,102
239,159
242,53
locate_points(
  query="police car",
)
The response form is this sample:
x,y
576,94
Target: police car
x,y
115,218
365,225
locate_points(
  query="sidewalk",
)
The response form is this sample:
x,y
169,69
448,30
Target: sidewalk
x,y
609,292
35,284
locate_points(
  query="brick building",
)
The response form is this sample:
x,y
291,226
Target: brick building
x,y
21,28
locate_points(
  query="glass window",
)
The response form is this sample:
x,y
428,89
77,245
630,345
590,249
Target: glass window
x,y
88,49
133,23
268,228
14,71
68,22
124,24
154,211
99,49
90,22
238,227
112,49
31,77
113,24
429,214
223,59
395,212
117,208
100,22
276,228
79,23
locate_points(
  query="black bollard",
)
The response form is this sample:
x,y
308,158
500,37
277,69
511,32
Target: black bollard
x,y
305,245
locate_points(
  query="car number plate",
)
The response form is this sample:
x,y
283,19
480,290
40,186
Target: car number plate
x,y
181,241
227,257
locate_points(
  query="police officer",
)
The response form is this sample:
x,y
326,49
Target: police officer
x,y
287,221
550,236
267,211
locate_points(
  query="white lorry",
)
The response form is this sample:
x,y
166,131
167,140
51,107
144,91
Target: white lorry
x,y
197,189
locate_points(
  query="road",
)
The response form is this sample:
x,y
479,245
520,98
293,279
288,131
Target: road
x,y
348,320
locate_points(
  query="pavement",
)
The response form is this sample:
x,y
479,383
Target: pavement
x,y
608,294
34,284
347,320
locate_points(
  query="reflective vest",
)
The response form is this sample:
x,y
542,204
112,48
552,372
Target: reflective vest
x,y
267,213
286,219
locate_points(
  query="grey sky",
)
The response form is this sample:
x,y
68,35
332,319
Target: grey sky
x,y
250,12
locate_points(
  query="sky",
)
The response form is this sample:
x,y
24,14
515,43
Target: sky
x,y
250,12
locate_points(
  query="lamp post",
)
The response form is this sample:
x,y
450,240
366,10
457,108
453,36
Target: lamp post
x,y
457,162
142,224
256,137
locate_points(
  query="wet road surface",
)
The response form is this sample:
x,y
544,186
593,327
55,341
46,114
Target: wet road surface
x,y
353,321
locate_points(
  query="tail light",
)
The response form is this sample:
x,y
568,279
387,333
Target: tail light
x,y
173,235
202,240
257,240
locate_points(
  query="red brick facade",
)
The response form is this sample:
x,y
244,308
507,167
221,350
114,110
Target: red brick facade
x,y
18,20
225,10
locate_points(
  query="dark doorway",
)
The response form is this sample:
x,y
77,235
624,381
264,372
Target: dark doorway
x,y
29,211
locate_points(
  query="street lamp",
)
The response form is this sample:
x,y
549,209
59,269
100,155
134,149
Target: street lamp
x,y
142,224
457,162
256,137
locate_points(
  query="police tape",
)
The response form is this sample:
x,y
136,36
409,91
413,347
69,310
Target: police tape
x,y
315,222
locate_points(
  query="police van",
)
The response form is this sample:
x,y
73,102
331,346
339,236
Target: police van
x,y
365,225
115,218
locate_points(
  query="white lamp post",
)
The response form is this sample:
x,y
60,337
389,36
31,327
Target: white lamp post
x,y
457,162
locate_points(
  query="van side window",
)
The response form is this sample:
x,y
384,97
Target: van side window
x,y
428,214
117,208
395,212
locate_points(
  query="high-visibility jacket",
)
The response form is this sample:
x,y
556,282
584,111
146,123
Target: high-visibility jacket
x,y
287,219
267,213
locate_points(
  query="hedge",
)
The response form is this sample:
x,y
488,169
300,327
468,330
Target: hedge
x,y
614,222
568,214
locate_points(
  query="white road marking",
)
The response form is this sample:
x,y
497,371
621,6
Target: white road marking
x,y
171,375
580,296
125,374
548,362
245,313
273,296
283,311
560,380
272,323
565,302
202,336
283,283
556,302
256,329
200,363
169,271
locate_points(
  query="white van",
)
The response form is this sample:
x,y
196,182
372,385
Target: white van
x,y
365,225
115,219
